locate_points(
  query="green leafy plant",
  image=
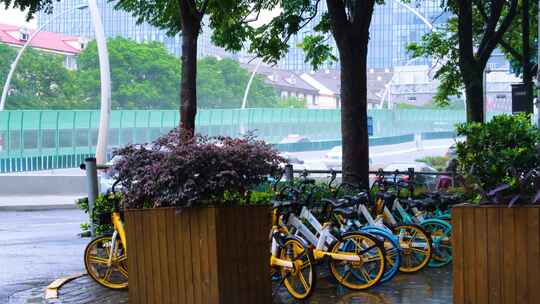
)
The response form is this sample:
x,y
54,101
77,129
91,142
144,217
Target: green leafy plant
x,y
103,206
498,152
437,162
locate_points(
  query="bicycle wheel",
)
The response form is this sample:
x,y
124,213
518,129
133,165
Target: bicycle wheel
x,y
364,273
299,281
415,246
112,275
441,240
391,248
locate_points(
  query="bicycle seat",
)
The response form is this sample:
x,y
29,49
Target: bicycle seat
x,y
337,203
345,212
278,204
386,196
420,203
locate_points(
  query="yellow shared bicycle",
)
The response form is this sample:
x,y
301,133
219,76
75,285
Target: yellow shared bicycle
x,y
105,258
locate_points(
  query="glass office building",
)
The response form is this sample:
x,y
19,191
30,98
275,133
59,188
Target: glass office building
x,y
119,23
394,25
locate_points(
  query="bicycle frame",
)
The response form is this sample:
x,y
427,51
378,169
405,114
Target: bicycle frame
x,y
119,231
321,242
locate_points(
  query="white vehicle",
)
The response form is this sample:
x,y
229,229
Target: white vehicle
x,y
294,138
334,158
297,163
108,177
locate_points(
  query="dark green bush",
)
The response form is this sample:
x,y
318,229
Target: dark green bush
x,y
176,170
493,150
104,205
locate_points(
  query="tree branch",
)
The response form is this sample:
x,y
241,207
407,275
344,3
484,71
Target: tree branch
x,y
485,53
508,48
203,9
340,23
491,21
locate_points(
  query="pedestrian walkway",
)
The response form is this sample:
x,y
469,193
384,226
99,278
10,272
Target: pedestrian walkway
x,y
38,202
431,286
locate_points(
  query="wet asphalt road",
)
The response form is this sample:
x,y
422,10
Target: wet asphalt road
x,y
37,247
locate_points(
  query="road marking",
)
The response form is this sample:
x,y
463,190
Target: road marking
x,y
52,290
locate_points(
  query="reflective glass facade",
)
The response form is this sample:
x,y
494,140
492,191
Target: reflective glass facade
x,y
393,27
118,23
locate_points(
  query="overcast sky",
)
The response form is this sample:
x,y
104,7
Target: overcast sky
x,y
14,17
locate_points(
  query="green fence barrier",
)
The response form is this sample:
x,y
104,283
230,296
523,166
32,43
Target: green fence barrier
x,y
35,139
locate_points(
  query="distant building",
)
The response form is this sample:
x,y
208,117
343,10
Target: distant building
x,y
328,83
68,46
392,28
287,83
123,24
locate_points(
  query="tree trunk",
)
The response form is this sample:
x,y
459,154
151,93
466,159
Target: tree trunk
x,y
474,93
354,132
188,89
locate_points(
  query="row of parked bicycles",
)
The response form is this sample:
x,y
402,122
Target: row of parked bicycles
x,y
364,236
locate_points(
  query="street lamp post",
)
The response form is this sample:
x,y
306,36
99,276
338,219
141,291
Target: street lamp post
x,y
105,74
19,54
248,86
105,77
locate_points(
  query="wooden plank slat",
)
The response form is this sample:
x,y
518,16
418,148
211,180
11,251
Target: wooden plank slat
x,y
179,228
194,218
146,219
264,285
163,257
158,295
233,256
204,270
481,261
133,273
185,229
494,255
143,258
521,247
509,256
457,250
168,218
469,257
533,253
213,257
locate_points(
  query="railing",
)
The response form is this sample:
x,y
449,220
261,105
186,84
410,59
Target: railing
x,y
40,140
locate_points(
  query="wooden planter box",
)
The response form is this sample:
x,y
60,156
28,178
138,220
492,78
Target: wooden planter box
x,y
199,255
496,254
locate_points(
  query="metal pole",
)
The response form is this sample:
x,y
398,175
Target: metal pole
x,y
19,54
289,173
105,77
248,86
92,184
538,72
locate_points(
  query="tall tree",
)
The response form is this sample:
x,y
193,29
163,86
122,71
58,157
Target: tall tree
x,y
144,75
520,44
347,21
40,81
467,41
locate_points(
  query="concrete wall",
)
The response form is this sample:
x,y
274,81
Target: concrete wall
x,y
41,185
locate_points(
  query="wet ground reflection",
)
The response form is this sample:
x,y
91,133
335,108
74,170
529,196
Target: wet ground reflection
x,y
430,286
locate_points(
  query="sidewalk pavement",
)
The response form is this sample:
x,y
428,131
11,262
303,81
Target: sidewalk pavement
x,y
430,286
38,202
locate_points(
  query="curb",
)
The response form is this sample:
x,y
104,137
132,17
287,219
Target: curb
x,y
38,207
